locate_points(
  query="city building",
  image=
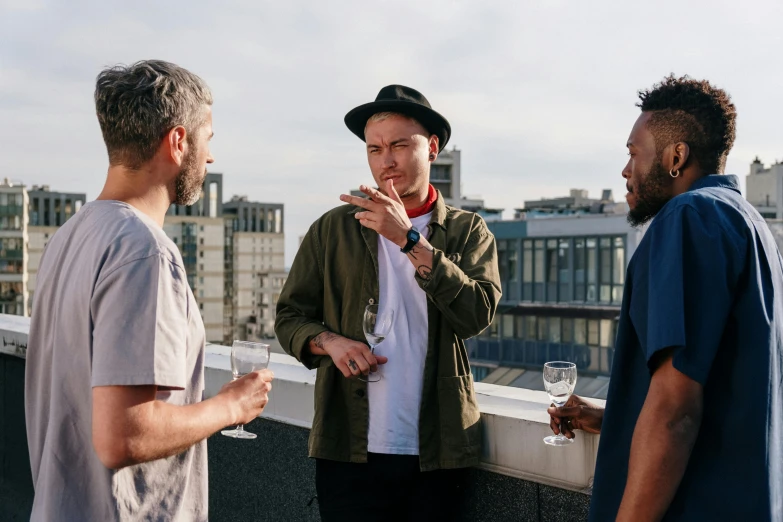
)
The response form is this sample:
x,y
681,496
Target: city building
x,y
48,211
269,288
13,248
764,190
198,231
201,244
562,266
226,246
255,244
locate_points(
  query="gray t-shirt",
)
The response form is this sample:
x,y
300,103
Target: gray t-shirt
x,y
112,307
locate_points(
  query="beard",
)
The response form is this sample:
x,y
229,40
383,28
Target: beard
x,y
189,181
651,194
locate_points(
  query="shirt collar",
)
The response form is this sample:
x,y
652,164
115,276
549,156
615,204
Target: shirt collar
x,y
728,181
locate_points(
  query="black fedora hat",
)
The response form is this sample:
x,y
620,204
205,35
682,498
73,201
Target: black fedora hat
x,y
403,100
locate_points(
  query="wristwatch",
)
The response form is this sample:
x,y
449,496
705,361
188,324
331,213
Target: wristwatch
x,y
413,238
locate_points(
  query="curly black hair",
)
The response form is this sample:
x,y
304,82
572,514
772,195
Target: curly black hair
x,y
694,112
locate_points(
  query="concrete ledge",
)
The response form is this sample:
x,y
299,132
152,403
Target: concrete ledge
x,y
514,421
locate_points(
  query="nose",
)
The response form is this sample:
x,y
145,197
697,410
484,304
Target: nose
x,y
210,158
627,170
388,160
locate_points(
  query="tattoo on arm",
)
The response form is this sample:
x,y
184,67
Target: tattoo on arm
x,y
418,250
425,272
323,338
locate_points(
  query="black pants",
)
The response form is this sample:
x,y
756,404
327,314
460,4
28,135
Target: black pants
x,y
388,487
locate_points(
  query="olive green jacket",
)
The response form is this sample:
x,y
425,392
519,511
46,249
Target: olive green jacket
x,y
333,278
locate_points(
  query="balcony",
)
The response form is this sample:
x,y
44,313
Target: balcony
x,y
271,478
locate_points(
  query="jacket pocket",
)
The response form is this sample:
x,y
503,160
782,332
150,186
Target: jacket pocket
x,y
459,412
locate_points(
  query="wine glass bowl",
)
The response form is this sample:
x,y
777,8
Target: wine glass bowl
x,y
559,383
246,357
376,323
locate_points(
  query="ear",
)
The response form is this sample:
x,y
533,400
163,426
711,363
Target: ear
x,y
175,144
434,143
680,152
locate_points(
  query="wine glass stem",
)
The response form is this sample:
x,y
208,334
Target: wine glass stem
x,y
240,427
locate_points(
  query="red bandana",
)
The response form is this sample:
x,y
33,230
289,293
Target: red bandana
x,y
428,206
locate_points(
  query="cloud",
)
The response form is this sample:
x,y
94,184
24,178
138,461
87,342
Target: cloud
x,y
540,94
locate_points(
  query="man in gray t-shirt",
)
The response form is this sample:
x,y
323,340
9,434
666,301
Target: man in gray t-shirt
x,y
116,424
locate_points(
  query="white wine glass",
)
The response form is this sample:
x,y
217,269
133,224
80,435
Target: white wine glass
x,y
377,324
559,383
246,357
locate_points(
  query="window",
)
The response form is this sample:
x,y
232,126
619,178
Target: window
x,y
201,241
554,330
567,330
592,332
502,261
538,271
519,327
592,254
606,333
606,270
201,280
618,277
201,254
508,326
579,270
551,270
530,327
542,333
512,262
580,331
564,270
527,270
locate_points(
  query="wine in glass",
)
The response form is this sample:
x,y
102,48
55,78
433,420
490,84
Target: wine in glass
x,y
377,324
246,357
559,382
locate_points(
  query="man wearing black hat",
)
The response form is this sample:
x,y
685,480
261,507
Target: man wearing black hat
x,y
397,447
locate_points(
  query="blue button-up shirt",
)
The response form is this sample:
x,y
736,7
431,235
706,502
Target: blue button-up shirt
x,y
706,281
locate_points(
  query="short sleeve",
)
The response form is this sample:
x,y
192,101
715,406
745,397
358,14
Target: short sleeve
x,y
140,325
693,268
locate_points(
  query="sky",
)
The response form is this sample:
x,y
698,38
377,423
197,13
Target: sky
x,y
540,95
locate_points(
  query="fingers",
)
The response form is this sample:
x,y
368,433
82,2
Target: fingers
x,y
554,425
567,428
359,202
565,411
392,192
376,195
266,375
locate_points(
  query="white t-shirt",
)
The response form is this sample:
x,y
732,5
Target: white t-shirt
x,y
395,399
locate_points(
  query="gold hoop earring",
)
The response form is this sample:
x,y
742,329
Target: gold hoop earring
x,y
674,173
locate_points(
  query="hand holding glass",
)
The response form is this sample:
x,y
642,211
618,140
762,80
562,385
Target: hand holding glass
x,y
559,383
377,325
246,357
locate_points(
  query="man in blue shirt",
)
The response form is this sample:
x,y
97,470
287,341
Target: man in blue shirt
x,y
693,426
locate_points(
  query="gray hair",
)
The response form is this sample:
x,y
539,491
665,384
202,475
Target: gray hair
x,y
139,103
